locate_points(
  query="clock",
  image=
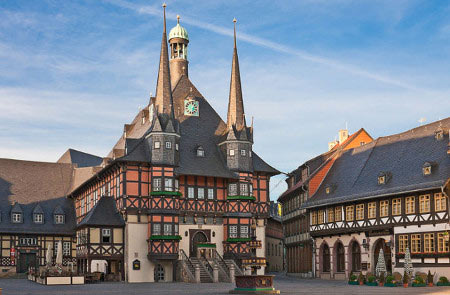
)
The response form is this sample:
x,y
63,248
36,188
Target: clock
x,y
191,108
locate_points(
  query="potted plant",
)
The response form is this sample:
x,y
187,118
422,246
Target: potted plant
x,y
381,280
390,282
353,279
405,280
371,281
443,281
418,282
430,279
361,279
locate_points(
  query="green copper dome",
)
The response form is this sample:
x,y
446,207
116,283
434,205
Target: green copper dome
x,y
178,31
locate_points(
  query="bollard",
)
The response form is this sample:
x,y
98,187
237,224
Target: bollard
x,y
197,274
215,274
232,273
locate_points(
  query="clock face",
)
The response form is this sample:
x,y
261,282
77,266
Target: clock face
x,y
191,107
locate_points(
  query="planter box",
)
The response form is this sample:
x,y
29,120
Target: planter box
x,y
443,284
356,283
75,280
419,285
373,284
390,285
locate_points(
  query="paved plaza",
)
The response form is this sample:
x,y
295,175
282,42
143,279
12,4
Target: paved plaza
x,y
287,285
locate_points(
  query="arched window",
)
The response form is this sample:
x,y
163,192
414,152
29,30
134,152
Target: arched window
x,y
159,273
326,258
340,258
356,257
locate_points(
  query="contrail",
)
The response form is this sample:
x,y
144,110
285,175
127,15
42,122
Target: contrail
x,y
156,11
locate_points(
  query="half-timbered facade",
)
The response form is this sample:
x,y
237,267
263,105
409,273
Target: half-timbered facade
x,y
390,194
303,182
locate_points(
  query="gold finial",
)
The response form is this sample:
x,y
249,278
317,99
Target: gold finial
x,y
178,19
164,15
234,21
164,5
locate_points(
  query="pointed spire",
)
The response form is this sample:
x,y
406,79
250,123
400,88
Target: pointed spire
x,y
236,116
164,100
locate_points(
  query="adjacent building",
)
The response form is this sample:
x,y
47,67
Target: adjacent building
x,y
274,240
179,183
390,194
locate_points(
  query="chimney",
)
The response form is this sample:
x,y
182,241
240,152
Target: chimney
x,y
332,144
343,135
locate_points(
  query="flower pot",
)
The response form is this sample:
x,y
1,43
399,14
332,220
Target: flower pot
x,y
361,283
381,284
405,285
430,284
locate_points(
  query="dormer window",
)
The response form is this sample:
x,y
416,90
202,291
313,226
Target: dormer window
x,y
426,169
38,218
330,188
439,134
382,179
200,152
16,218
59,218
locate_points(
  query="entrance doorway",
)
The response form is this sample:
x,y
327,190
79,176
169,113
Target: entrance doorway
x,y
26,260
381,244
199,237
159,273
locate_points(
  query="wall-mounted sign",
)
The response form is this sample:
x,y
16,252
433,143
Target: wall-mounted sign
x,y
136,265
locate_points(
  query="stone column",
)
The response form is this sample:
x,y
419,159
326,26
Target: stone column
x,y
215,274
197,274
232,273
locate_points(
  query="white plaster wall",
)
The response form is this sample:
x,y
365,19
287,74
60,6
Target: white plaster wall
x,y
218,239
261,235
99,265
136,242
422,228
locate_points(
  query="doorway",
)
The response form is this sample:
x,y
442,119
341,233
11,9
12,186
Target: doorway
x,y
199,237
26,260
381,244
159,275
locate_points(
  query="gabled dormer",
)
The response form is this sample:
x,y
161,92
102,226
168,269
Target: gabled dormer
x,y
16,213
384,177
38,214
59,216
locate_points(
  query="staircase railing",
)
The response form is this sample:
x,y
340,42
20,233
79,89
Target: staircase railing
x,y
236,266
188,265
222,265
208,268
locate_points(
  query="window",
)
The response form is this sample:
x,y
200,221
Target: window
x,y
176,146
83,209
384,208
55,247
231,152
349,214
426,169
328,190
232,189
156,229
440,202
372,210
330,214
156,184
243,153
424,203
416,246
118,186
200,152
402,243
244,231
244,189
338,213
28,241
175,229
340,263
442,242
428,243
201,193
168,184
17,217
397,206
191,193
66,248
313,217
168,145
233,231
320,217
360,212
167,229
59,218
362,143
382,179
210,193
106,235
109,188
95,197
38,218
88,203
326,259
410,205
157,145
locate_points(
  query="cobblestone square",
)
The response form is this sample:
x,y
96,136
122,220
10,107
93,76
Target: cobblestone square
x,y
287,285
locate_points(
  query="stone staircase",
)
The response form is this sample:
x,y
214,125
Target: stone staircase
x,y
205,275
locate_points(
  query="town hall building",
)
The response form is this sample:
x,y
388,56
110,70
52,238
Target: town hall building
x,y
180,189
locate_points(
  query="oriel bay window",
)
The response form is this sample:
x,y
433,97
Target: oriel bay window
x,y
241,189
372,210
244,231
238,231
168,229
384,208
233,231
170,184
410,205
424,203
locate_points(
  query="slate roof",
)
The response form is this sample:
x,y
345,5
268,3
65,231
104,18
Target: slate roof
x,y
80,159
28,185
104,213
354,174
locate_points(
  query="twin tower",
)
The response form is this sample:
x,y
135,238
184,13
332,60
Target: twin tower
x,y
235,142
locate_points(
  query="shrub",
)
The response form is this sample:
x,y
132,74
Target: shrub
x,y
419,280
371,279
353,278
405,279
361,277
389,279
443,280
429,278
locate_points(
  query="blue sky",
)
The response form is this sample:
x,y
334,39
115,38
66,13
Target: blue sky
x,y
73,72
